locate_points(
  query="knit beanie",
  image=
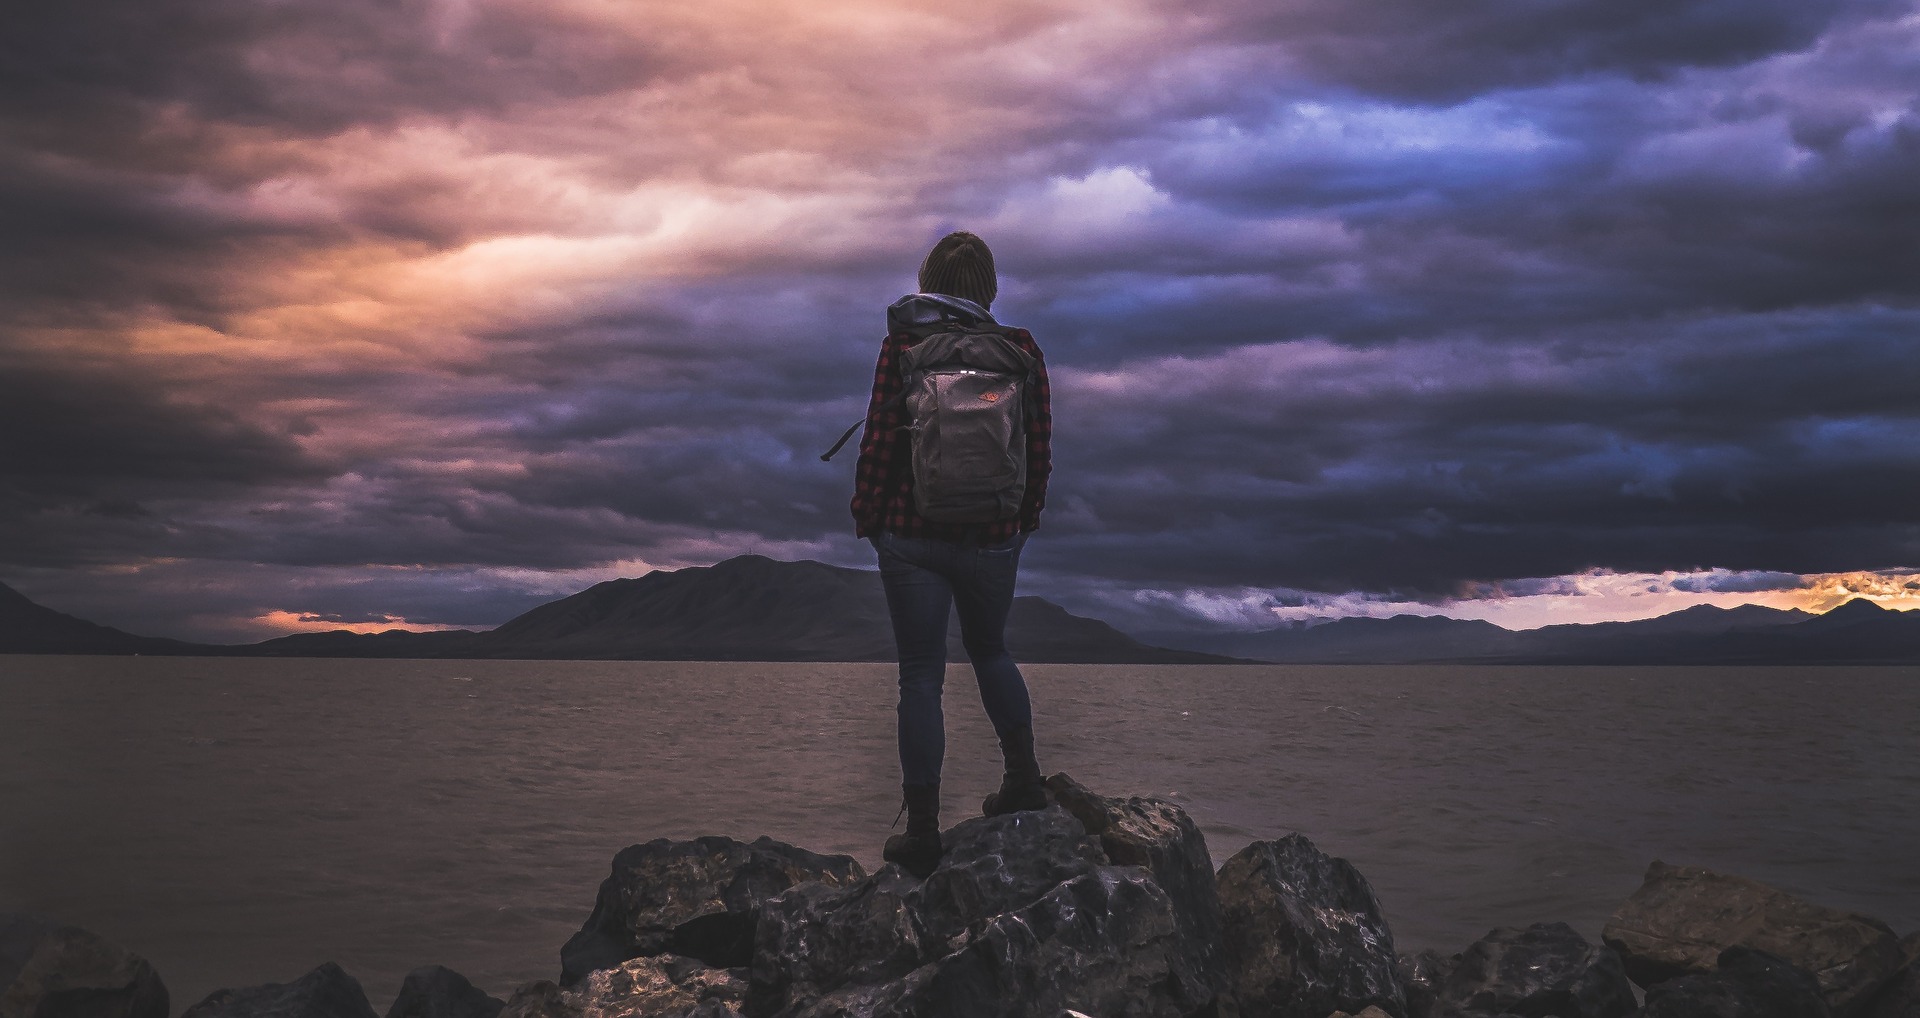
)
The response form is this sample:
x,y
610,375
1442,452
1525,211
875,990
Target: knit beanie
x,y
960,266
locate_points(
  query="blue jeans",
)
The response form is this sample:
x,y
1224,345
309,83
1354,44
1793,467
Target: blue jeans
x,y
925,578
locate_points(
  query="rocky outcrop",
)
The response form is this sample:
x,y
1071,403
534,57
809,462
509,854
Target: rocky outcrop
x,y
1745,984
1900,998
657,986
1545,969
696,898
51,970
1683,917
325,992
1094,906
1159,836
1421,976
1303,934
435,991
1025,915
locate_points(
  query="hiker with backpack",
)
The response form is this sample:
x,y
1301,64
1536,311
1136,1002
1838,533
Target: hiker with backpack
x,y
951,479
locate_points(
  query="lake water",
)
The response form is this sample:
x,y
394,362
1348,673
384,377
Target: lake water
x,y
240,821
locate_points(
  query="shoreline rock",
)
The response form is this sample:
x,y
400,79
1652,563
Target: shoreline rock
x,y
1303,934
698,898
1682,918
1097,906
49,970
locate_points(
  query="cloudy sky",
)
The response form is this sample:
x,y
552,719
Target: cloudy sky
x,y
421,312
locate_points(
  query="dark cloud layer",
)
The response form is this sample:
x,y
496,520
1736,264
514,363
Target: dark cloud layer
x,y
1414,51
427,311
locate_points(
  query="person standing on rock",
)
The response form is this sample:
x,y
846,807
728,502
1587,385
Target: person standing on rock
x,y
952,477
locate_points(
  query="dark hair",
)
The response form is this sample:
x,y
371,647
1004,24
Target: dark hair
x,y
960,266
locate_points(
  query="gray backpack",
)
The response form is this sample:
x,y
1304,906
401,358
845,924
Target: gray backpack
x,y
967,395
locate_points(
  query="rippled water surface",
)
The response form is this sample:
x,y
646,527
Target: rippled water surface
x,y
240,821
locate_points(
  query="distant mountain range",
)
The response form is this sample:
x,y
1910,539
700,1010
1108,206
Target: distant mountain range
x,y
1857,632
752,608
748,608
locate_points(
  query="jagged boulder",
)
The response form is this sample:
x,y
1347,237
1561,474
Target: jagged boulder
x,y
52,971
1545,969
326,992
696,898
1023,916
1156,834
1745,984
1683,917
1106,943
542,998
816,938
996,864
435,991
1900,997
1421,976
654,986
1303,935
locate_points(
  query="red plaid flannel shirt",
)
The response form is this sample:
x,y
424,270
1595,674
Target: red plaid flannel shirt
x,y
883,480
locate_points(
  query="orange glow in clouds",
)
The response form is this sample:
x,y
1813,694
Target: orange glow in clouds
x,y
302,622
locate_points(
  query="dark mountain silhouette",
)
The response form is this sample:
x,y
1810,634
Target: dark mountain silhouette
x,y
1402,639
1857,632
752,608
748,608
28,628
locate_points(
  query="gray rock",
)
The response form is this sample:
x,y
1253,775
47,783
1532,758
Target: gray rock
x,y
1158,835
53,971
435,991
542,998
1105,943
817,938
1745,984
326,992
1023,916
1683,917
1545,969
655,986
662,986
1421,976
996,864
697,898
1900,998
1303,935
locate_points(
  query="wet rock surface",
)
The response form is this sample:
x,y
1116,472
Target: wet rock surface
x,y
1158,835
326,992
1545,969
698,898
435,991
1683,917
1744,984
655,986
1303,935
50,971
815,939
1024,915
1421,976
1900,997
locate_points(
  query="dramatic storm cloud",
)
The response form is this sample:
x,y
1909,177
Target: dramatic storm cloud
x,y
423,312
